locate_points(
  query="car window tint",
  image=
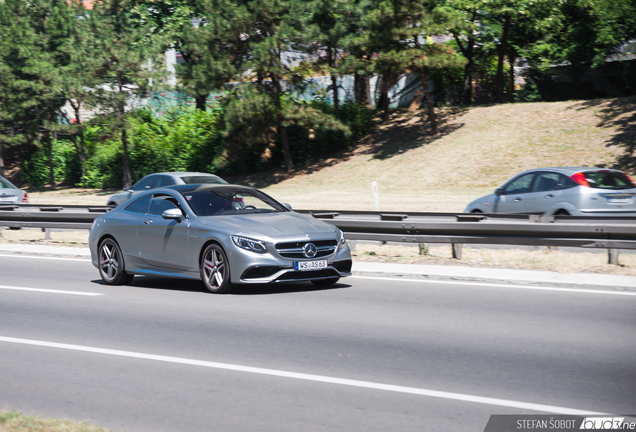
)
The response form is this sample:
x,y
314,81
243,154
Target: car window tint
x,y
164,181
608,180
546,182
519,185
200,179
4,184
566,182
139,206
145,183
161,203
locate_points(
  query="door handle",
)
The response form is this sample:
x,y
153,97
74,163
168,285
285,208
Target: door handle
x,y
148,221
517,199
549,196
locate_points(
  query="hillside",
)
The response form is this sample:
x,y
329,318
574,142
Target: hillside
x,y
477,149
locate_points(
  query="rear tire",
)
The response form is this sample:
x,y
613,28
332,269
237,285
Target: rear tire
x,y
112,268
215,270
325,282
562,213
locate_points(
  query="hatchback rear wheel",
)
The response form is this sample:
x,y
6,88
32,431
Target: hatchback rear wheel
x,y
215,270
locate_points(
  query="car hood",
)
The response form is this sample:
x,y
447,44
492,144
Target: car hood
x,y
273,225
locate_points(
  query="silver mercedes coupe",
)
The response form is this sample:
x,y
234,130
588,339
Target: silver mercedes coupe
x,y
224,235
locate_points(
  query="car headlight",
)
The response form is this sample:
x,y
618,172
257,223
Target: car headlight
x,y
249,244
342,241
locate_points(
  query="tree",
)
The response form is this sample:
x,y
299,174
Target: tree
x,y
122,49
33,34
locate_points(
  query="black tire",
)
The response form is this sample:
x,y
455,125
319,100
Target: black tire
x,y
325,282
111,264
215,270
477,212
562,213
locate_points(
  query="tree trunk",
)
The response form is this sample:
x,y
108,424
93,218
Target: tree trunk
x,y
336,101
200,102
383,103
361,89
289,165
81,151
49,146
281,129
1,159
429,102
503,48
126,180
511,60
468,52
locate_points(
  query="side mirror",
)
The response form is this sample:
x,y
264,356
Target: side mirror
x,y
129,189
499,191
287,206
172,213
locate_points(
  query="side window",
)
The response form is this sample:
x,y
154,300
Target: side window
x,y
546,182
146,183
519,185
164,181
566,182
139,206
161,203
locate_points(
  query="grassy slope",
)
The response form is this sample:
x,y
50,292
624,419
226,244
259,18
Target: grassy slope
x,y
476,151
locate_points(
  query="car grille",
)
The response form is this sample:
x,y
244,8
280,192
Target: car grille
x,y
294,250
308,275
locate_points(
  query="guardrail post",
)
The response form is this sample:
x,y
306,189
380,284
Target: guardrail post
x,y
457,251
612,256
47,233
352,245
1,228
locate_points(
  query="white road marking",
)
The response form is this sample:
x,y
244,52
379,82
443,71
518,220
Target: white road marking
x,y
45,257
310,377
502,285
50,291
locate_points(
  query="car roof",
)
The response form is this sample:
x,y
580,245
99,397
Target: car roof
x,y
571,170
204,187
184,173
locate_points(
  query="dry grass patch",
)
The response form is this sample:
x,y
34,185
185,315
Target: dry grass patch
x,y
38,237
519,259
13,421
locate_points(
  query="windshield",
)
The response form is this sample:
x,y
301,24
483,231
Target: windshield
x,y
229,201
608,180
197,179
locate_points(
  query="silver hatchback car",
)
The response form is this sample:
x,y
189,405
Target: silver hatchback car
x,y
156,180
575,191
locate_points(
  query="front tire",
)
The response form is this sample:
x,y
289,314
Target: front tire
x,y
112,268
215,270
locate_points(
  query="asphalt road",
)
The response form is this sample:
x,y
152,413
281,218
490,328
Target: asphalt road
x,y
371,354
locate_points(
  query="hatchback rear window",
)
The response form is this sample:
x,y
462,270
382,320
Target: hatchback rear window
x,y
608,180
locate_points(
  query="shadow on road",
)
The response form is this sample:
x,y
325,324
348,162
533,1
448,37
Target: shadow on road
x,y
186,285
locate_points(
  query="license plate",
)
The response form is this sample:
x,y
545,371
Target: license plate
x,y
310,265
7,198
618,200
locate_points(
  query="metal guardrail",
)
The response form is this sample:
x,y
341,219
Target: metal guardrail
x,y
408,227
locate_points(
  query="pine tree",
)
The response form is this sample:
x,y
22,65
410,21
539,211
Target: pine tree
x,y
122,48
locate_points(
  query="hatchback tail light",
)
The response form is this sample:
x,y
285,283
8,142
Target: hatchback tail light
x,y
579,177
25,199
